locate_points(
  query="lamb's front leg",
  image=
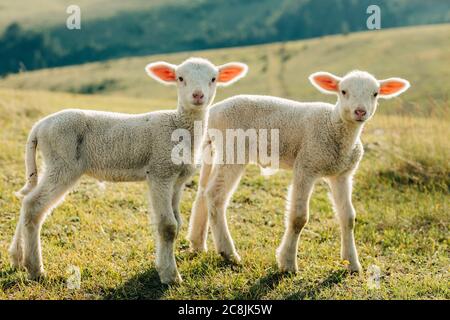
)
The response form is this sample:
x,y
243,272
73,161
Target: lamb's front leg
x,y
341,189
176,199
296,218
166,226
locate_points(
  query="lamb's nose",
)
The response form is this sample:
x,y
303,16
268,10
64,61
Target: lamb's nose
x,y
198,95
360,112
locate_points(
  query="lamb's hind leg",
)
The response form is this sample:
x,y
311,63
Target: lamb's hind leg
x,y
296,218
198,223
16,247
224,179
35,207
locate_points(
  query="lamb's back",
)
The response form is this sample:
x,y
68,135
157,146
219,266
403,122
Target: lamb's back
x,y
255,111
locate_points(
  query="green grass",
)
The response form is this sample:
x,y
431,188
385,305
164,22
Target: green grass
x,y
401,192
401,197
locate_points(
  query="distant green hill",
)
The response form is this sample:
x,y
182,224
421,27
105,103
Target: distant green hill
x,y
112,29
418,54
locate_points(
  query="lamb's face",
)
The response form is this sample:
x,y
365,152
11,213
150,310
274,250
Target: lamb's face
x,y
196,79
196,82
358,92
358,96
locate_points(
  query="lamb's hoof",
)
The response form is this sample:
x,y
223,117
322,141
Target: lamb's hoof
x,y
37,275
170,278
353,267
194,248
233,258
35,270
286,265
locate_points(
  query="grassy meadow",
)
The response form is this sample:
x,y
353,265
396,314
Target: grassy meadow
x,y
401,192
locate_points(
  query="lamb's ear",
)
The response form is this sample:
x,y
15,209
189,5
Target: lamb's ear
x,y
231,72
325,82
162,72
392,87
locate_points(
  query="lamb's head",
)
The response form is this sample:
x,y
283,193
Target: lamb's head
x,y
358,92
196,79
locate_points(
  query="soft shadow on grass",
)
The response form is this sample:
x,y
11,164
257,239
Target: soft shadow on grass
x,y
420,176
313,291
145,285
9,278
263,286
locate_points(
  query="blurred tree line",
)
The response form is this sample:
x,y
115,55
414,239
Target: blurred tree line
x,y
202,24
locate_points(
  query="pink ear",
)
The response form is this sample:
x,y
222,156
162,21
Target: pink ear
x,y
161,71
326,82
393,86
231,72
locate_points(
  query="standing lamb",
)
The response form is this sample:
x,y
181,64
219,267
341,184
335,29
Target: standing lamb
x,y
316,140
119,147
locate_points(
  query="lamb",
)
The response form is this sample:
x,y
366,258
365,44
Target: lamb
x,y
119,147
316,140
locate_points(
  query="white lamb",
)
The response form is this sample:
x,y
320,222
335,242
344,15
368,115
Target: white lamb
x,y
316,140
119,147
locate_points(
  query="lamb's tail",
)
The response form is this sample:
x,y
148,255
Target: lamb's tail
x,y
30,164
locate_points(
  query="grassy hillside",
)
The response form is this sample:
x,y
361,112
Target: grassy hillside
x,y
418,54
40,38
401,198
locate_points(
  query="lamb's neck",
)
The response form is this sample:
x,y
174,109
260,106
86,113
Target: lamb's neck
x,y
345,132
186,118
194,121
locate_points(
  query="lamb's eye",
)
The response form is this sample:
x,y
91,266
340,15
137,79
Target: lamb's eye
x,y
181,79
213,79
375,94
344,92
